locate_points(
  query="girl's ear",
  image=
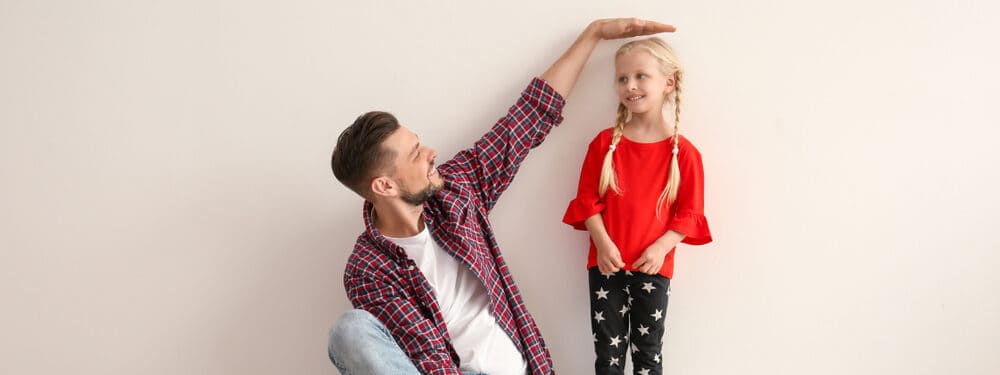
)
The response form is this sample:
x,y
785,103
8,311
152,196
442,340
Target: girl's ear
x,y
670,85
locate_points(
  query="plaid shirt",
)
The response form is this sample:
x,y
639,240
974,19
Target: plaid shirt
x,y
382,280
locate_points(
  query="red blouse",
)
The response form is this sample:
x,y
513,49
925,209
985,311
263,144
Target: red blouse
x,y
630,218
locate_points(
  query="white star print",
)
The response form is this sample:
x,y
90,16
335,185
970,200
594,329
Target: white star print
x,y
634,348
626,290
595,337
607,274
624,310
613,361
648,287
598,316
615,341
643,330
668,291
601,293
628,273
657,315
644,371
656,358
630,301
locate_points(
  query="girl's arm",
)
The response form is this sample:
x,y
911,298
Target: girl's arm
x,y
609,258
651,259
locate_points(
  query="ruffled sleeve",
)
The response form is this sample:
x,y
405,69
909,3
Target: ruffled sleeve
x,y
588,202
689,212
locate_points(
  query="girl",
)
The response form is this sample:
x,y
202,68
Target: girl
x,y
640,194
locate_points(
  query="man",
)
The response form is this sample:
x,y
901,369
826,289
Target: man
x,y
432,292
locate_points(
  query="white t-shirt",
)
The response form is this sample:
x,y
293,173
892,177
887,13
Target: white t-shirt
x,y
480,342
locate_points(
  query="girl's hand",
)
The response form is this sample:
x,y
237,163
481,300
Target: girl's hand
x,y
609,258
616,28
652,258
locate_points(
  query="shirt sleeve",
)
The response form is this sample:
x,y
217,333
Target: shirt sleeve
x,y
588,201
414,333
689,216
490,164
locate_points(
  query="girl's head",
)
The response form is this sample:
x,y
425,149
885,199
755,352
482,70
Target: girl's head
x,y
648,76
646,73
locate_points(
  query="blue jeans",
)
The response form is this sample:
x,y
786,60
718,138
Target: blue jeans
x,y
361,345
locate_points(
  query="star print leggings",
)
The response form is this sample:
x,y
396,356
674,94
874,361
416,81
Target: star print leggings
x,y
627,313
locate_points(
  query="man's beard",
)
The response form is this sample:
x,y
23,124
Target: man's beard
x,y
420,197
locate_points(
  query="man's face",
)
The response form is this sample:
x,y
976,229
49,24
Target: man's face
x,y
414,175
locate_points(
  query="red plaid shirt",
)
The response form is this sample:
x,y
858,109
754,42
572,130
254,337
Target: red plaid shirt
x,y
382,280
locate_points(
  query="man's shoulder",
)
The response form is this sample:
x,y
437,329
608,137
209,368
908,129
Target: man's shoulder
x,y
367,259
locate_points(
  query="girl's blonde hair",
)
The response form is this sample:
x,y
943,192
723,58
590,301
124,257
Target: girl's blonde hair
x,y
669,66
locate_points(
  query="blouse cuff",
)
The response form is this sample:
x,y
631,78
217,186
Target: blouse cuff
x,y
580,210
693,226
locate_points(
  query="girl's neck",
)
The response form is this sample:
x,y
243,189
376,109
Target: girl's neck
x,y
649,127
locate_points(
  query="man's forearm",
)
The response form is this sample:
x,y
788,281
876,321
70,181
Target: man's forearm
x,y
563,73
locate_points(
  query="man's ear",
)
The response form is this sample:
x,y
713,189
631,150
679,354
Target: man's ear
x,y
384,186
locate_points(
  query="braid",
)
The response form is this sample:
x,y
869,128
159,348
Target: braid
x,y
674,178
608,176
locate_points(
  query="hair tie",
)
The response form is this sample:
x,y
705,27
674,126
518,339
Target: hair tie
x,y
675,150
612,148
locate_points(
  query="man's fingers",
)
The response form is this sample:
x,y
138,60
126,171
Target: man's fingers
x,y
638,27
653,27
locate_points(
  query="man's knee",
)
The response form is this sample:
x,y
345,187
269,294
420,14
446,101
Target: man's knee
x,y
352,325
361,344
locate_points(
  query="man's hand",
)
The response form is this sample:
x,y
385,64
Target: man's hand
x,y
617,28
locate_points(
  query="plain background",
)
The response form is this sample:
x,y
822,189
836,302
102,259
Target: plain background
x,y
167,205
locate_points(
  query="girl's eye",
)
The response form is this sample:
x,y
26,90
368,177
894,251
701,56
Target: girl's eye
x,y
640,75
622,79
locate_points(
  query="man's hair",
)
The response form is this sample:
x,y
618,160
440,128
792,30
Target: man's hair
x,y
359,155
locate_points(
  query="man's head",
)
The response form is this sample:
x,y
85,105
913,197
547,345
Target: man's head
x,y
379,159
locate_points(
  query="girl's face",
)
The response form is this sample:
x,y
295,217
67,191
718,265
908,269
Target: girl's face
x,y
642,87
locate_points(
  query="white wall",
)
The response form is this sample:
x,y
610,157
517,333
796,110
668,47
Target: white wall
x,y
167,205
